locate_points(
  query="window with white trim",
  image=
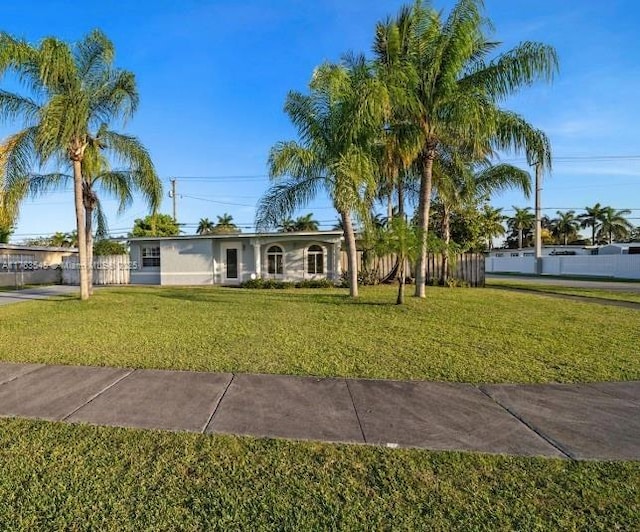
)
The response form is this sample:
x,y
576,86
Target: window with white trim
x,y
315,260
275,260
151,257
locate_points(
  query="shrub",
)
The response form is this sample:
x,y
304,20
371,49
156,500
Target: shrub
x,y
108,247
275,284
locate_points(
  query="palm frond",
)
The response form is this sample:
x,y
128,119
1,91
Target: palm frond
x,y
131,154
522,66
93,55
283,198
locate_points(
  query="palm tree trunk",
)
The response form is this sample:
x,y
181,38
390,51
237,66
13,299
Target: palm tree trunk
x,y
424,206
401,281
400,197
80,225
89,237
390,206
520,238
593,234
446,230
352,253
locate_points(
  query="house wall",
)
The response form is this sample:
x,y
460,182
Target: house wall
x,y
186,262
295,260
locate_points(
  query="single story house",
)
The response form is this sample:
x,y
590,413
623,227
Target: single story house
x,y
232,258
20,265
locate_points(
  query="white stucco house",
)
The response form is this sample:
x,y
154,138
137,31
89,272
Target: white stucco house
x,y
230,259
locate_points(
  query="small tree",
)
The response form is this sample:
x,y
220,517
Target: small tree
x,y
155,225
402,239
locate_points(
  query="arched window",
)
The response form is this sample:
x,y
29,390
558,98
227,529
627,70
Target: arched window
x,y
275,257
315,260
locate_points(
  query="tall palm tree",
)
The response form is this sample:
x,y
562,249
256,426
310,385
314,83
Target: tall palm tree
x,y
400,138
492,224
99,178
75,93
337,123
592,218
306,223
457,92
205,226
614,225
566,225
522,220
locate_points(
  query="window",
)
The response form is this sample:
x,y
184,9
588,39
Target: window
x,y
315,260
275,257
151,257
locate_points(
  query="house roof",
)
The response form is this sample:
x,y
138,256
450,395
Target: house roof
x,y
20,247
228,236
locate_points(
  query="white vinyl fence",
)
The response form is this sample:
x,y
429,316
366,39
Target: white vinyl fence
x,y
108,269
613,266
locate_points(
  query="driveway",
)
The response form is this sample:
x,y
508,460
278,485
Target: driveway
x,y
37,292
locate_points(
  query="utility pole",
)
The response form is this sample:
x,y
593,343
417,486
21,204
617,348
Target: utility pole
x,y
538,208
172,195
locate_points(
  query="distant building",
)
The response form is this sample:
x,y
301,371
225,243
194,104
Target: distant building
x,y
628,248
547,251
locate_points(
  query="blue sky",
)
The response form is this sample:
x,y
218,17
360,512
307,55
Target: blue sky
x,y
213,77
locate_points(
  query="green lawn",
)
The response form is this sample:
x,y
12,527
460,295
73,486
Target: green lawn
x,y
471,335
615,295
55,476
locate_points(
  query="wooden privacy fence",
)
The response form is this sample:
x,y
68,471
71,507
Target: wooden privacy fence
x,y
466,267
107,269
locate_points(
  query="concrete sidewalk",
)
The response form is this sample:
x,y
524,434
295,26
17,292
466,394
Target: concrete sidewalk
x,y
585,421
37,292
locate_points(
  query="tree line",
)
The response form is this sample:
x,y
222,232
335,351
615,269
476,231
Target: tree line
x,y
420,121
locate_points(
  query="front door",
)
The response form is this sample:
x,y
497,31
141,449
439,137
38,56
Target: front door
x,y
231,263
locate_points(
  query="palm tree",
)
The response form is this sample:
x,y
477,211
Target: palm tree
x,y
566,225
492,224
306,223
592,218
402,239
400,138
76,94
337,123
614,225
287,225
205,226
522,220
60,240
225,224
458,182
98,177
456,93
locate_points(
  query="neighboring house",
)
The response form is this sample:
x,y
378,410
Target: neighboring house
x,y
632,248
21,265
230,259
